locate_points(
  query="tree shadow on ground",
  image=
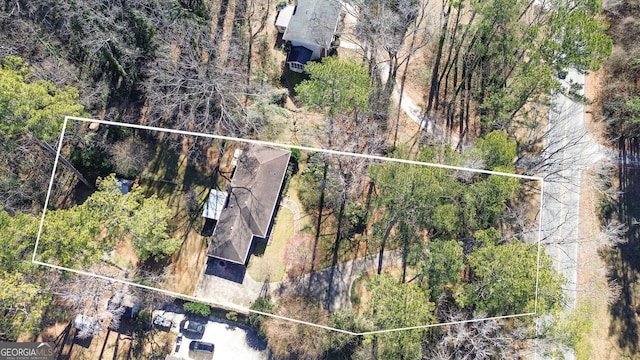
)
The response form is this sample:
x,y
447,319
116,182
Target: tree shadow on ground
x,y
290,79
623,260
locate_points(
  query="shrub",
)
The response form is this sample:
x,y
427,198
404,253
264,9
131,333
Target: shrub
x,y
262,304
197,308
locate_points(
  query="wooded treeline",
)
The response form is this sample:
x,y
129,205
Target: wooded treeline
x,y
620,94
167,61
497,62
617,109
490,69
492,65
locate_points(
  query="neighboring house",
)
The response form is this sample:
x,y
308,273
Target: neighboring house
x,y
87,326
125,185
126,304
251,202
310,26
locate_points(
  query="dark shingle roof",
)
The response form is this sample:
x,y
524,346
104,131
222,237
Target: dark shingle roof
x,y
299,54
253,197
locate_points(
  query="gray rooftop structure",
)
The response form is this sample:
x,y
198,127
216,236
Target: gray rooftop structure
x,y
314,21
214,205
252,200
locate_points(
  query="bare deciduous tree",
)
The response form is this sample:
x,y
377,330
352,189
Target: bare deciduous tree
x,y
130,156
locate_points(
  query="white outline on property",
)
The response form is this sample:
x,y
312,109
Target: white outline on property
x,y
333,152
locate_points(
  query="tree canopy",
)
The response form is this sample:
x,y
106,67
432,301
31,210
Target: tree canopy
x,y
336,86
31,113
32,107
506,280
396,305
79,235
22,301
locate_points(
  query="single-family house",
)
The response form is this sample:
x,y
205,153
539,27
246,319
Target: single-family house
x,y
310,27
252,197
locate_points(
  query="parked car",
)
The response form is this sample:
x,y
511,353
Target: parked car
x,y
193,327
200,350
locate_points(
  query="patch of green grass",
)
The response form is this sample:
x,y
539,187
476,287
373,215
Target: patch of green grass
x,y
269,264
291,79
163,189
121,262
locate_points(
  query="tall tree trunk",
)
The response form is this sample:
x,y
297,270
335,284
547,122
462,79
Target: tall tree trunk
x,y
387,232
323,187
433,90
66,163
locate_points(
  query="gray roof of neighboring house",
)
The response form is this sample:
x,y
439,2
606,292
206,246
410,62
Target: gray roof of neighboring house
x,y
284,16
314,21
252,201
85,323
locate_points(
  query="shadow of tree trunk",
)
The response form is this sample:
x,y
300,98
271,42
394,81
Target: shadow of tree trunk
x,y
623,260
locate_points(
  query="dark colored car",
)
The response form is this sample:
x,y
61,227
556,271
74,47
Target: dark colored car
x,y
199,350
193,327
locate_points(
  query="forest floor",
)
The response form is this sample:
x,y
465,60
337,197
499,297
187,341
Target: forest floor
x,y
591,274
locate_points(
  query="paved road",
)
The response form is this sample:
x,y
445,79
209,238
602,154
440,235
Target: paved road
x,y
569,150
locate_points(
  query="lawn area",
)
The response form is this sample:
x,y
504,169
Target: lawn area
x,y
184,187
267,260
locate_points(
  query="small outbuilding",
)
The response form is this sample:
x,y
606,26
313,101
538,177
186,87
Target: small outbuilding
x,y
214,205
284,16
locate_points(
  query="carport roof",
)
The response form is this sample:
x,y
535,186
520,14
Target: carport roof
x,y
299,54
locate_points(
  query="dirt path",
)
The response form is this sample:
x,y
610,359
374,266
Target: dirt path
x,y
591,275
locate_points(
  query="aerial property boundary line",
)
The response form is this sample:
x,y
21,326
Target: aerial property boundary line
x,y
250,311
267,143
306,148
